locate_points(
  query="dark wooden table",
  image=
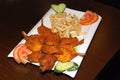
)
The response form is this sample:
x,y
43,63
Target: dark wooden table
x,y
18,15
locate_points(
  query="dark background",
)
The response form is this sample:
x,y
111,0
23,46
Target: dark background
x,y
114,3
111,71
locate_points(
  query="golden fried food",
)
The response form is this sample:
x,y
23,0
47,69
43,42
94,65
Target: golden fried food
x,y
32,42
43,30
46,34
69,41
41,39
68,54
52,39
34,57
47,62
51,49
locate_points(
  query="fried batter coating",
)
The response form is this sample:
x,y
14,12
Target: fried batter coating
x,y
51,49
68,54
43,30
52,39
32,42
69,41
46,33
34,57
47,62
41,39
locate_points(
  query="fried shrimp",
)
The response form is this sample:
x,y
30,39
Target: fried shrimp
x,y
53,39
43,30
51,49
68,53
32,42
47,62
71,41
34,57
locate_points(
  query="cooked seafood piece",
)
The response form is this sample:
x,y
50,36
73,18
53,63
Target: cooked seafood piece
x,y
70,41
47,62
32,42
35,56
52,39
51,49
43,30
68,54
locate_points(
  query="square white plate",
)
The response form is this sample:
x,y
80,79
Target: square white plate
x,y
90,31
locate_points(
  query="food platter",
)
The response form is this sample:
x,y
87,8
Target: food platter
x,y
89,30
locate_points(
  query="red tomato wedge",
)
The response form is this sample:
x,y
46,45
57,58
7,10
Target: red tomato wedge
x,y
88,18
20,53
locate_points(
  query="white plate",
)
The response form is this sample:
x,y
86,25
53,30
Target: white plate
x,y
90,31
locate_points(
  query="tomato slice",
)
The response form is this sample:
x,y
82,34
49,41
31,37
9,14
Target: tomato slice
x,y
20,53
88,18
94,19
15,53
